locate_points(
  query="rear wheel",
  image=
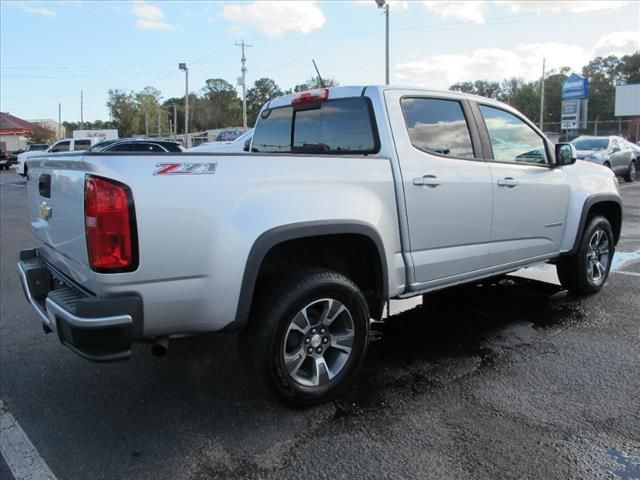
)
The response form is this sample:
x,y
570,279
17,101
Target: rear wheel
x,y
307,336
607,164
587,270
631,173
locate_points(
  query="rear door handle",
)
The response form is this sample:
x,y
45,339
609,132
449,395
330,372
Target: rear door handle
x,y
427,181
508,182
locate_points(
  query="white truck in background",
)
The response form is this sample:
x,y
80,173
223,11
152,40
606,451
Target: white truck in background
x,y
350,196
61,146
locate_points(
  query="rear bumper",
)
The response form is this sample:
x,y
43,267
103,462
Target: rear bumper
x,y
98,329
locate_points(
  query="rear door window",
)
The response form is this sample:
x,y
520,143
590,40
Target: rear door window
x,y
82,145
341,126
438,126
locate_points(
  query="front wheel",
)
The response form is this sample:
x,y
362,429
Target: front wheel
x,y
307,336
586,271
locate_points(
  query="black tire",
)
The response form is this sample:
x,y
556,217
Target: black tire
x,y
631,172
262,344
607,164
572,270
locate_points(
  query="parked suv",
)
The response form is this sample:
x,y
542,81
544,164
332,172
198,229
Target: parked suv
x,y
137,145
612,152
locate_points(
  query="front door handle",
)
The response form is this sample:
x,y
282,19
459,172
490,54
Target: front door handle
x,y
427,181
508,182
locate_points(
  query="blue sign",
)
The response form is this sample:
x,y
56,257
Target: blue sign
x,y
575,87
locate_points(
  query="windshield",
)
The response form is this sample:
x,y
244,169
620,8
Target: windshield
x,y
341,126
591,144
98,147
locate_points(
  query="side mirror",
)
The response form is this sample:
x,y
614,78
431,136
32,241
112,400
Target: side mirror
x,y
615,149
247,145
565,154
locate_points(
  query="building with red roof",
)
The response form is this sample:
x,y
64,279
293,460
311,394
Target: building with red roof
x,y
13,131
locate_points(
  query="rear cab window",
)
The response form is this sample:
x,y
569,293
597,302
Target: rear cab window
x,y
340,126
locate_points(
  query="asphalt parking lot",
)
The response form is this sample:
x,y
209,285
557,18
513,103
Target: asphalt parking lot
x,y
509,380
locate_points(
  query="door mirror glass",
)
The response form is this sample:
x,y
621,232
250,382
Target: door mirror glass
x,y
247,145
615,149
565,154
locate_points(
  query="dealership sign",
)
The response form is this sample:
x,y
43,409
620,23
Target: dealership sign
x,y
575,87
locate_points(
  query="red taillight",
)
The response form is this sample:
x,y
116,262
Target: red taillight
x,y
109,225
311,96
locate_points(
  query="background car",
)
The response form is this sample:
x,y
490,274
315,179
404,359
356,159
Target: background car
x,y
240,144
137,145
228,135
612,152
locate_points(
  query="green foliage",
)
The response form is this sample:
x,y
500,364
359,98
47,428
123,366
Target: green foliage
x,y
263,90
527,100
484,88
125,112
604,73
40,134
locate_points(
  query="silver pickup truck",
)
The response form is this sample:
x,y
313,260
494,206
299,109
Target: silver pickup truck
x,y
350,196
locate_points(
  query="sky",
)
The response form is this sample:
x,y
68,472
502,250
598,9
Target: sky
x,y
50,51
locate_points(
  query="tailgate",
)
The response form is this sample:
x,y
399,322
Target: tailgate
x,y
55,196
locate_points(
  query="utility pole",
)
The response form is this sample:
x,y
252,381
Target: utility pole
x,y
244,84
81,110
383,4
542,95
175,121
59,120
183,66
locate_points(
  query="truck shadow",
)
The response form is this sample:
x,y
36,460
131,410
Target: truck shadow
x,y
455,333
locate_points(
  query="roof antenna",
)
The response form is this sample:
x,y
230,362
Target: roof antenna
x,y
318,72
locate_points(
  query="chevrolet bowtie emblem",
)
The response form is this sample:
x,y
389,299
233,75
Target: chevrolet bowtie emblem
x,y
45,211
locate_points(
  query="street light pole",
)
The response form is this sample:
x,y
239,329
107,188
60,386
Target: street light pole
x,y
183,66
385,5
542,94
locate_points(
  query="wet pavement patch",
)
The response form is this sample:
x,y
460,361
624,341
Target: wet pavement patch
x,y
627,468
455,333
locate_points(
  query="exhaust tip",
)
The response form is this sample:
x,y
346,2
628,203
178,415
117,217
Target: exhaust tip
x,y
160,346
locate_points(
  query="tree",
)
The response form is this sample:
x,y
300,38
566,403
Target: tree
x,y
125,112
553,96
40,134
262,91
148,100
221,105
602,73
508,89
484,88
629,69
314,83
527,100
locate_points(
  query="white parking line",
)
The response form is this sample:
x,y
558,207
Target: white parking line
x,y
635,274
21,456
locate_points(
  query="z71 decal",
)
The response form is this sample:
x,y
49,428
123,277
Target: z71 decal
x,y
185,168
